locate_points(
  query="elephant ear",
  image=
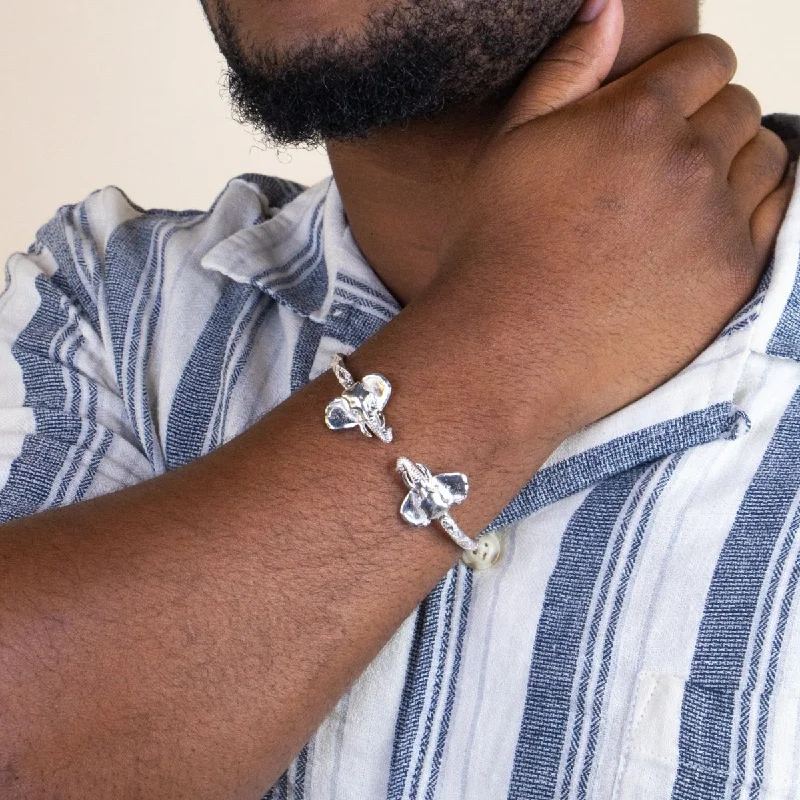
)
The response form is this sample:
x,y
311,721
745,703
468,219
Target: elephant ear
x,y
411,511
379,388
339,416
457,484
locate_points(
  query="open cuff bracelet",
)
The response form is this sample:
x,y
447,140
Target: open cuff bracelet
x,y
430,497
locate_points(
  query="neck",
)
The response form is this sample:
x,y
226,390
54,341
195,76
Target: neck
x,y
397,185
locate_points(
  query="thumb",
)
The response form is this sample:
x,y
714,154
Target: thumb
x,y
573,67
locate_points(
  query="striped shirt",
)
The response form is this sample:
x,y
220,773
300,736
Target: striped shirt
x,y
640,636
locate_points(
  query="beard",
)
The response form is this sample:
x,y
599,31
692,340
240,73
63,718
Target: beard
x,y
416,60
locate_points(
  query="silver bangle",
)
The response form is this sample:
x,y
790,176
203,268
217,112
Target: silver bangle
x,y
361,404
430,498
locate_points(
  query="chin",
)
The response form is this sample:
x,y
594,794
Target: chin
x,y
306,71
290,24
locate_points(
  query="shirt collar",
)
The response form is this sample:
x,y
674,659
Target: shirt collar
x,y
304,256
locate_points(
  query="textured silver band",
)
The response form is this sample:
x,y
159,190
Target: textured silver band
x,y
343,375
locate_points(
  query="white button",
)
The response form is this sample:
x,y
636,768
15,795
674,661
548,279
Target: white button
x,y
487,555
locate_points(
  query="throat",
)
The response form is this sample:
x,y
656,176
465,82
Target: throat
x,y
398,185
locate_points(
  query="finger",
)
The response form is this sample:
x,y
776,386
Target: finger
x,y
758,169
765,223
575,66
729,121
686,75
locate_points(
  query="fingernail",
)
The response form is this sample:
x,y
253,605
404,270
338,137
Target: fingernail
x,y
591,10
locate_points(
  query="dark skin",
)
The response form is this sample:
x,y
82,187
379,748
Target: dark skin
x,y
155,642
397,187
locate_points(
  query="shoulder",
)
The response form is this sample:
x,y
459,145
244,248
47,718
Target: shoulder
x,y
96,253
106,214
81,237
109,301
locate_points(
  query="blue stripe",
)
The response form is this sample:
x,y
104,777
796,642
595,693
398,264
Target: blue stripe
x,y
610,636
136,246
128,254
785,341
197,391
81,446
305,274
55,324
229,375
563,620
241,363
593,627
74,378
301,763
751,310
307,254
33,474
94,465
305,352
718,661
68,333
364,302
305,297
138,339
278,191
307,266
413,696
54,237
95,273
561,480
769,683
755,660
351,326
438,680
280,791
86,273
741,324
361,286
466,575
87,438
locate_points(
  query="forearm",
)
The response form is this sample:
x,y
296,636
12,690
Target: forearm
x,y
186,636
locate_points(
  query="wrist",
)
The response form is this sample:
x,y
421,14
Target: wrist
x,y
455,409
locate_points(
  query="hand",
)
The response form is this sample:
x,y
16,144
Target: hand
x,y
605,236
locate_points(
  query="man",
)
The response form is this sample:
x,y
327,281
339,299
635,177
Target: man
x,y
561,260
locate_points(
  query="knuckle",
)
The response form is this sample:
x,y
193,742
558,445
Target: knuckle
x,y
645,105
655,88
716,54
747,103
773,154
694,161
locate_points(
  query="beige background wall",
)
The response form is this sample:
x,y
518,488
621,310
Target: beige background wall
x,y
94,92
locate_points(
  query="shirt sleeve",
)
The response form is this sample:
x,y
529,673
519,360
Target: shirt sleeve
x,y
65,435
